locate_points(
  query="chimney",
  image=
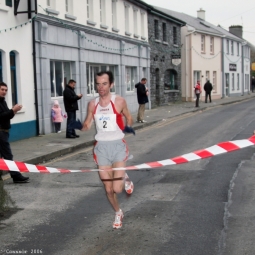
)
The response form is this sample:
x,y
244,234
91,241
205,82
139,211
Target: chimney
x,y
236,30
201,14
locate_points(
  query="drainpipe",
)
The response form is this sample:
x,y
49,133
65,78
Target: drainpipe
x,y
186,68
35,80
223,69
243,44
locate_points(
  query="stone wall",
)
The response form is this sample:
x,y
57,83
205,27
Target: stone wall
x,y
161,55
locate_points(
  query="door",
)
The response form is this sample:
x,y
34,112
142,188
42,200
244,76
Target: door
x,y
227,84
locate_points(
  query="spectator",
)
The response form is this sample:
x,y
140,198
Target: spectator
x,y
142,98
57,116
71,106
197,92
252,84
208,89
6,115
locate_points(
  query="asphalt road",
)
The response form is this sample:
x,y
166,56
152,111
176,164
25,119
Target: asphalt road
x,y
177,210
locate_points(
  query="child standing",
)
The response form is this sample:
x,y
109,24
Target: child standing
x,y
57,116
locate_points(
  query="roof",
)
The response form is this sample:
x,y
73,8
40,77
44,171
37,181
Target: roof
x,y
199,24
228,34
151,9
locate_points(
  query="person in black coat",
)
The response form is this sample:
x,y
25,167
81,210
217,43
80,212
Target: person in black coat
x,y
142,98
6,115
71,106
252,84
208,89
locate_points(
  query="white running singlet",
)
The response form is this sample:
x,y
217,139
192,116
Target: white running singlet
x,y
106,122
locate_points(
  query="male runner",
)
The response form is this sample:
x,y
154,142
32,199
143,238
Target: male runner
x,y
110,150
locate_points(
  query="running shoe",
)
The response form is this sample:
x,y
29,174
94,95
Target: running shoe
x,y
118,219
129,186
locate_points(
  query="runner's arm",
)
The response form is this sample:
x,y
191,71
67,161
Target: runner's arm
x,y
88,121
126,113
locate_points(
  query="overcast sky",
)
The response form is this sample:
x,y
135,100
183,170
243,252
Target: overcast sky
x,y
223,12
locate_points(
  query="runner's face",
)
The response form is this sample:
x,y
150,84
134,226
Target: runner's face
x,y
103,85
3,91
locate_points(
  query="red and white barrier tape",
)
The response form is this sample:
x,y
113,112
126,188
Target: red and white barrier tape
x,y
214,150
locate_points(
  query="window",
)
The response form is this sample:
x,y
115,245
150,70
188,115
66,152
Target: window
x,y
196,77
142,23
207,75
232,47
247,81
227,47
233,81
92,70
170,80
144,72
203,43
246,52
126,17
214,81
1,68
69,6
8,3
13,78
156,32
164,31
51,4
130,78
238,82
90,10
174,35
212,45
102,11
237,49
60,74
135,20
114,14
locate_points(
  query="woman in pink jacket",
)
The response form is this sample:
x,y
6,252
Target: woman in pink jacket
x,y
57,116
198,91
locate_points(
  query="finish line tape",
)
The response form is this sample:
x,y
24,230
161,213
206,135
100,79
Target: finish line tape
x,y
220,148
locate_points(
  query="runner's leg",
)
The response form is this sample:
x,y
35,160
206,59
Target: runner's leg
x,y
112,185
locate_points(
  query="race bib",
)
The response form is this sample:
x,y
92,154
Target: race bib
x,y
106,122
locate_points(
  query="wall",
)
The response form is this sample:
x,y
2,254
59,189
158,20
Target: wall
x,y
161,61
55,42
194,60
80,14
235,59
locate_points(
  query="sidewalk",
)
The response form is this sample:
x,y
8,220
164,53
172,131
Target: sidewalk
x,y
42,148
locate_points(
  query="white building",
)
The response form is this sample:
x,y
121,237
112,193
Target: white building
x,y
75,40
16,69
234,64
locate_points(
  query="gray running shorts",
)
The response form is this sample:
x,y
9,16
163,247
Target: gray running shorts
x,y
108,152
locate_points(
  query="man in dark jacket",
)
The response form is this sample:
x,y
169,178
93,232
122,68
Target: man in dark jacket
x,y
252,84
6,115
208,89
142,98
71,106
